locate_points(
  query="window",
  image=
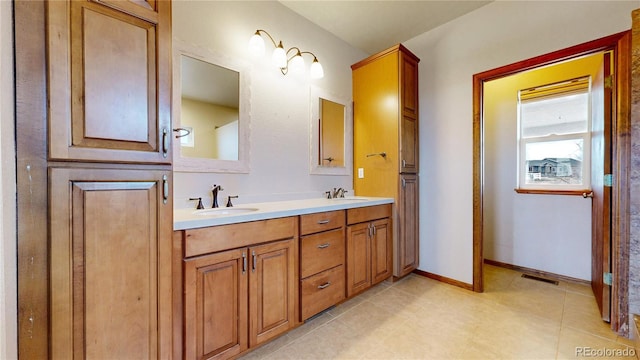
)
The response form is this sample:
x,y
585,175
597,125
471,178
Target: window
x,y
554,136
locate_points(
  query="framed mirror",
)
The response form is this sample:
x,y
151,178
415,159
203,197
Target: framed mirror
x,y
211,111
331,134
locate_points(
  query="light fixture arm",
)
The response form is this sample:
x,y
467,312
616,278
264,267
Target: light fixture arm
x,y
269,35
298,52
289,55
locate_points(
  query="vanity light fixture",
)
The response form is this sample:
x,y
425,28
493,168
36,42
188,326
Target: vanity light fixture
x,y
280,58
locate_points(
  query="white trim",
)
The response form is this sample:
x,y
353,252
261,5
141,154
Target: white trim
x,y
314,142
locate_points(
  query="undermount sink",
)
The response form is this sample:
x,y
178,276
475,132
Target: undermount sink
x,y
350,199
224,211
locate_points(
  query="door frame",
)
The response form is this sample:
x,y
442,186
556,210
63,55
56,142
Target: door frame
x,y
620,44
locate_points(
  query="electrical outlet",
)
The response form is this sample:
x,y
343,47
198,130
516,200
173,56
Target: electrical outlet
x,y
360,173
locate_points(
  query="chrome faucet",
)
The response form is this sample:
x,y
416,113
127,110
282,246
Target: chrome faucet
x,y
215,190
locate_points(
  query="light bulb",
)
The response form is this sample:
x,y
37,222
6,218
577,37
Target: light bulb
x,y
279,57
316,71
256,44
296,65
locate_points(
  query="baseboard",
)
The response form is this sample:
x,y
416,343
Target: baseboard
x,y
536,272
635,330
444,279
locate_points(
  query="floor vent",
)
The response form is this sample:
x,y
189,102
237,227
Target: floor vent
x,y
532,277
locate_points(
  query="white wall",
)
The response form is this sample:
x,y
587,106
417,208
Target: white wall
x,y
551,233
280,107
500,33
8,286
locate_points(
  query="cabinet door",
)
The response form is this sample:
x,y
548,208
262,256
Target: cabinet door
x,y
408,239
109,80
273,290
358,258
110,267
409,79
409,118
215,305
381,251
409,145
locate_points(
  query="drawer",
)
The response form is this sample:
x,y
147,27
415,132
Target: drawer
x,y
368,213
313,223
322,291
233,236
321,251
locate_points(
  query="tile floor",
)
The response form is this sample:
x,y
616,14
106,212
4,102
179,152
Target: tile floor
x,y
419,318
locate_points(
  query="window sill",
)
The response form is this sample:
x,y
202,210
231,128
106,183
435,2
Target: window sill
x,y
552,192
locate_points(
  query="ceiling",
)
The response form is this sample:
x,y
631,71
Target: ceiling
x,y
373,26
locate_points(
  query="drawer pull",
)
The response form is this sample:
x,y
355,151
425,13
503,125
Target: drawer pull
x,y
255,262
322,222
324,286
244,262
323,246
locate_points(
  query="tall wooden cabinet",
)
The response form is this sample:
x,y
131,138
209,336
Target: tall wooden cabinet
x,y
108,165
385,149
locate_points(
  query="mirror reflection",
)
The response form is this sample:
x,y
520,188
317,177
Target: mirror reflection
x,y
331,133
209,110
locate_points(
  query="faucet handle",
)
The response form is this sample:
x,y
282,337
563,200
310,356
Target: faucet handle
x,y
199,206
229,204
328,193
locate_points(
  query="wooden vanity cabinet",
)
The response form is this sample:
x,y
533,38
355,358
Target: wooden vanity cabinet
x,y
322,252
385,96
369,247
239,298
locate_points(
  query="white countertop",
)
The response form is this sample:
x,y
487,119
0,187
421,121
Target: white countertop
x,y
191,218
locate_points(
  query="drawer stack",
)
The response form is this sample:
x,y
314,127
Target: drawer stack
x,y
322,256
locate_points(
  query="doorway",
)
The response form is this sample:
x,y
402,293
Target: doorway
x,y
619,45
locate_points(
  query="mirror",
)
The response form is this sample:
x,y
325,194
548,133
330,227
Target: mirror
x,y
331,134
210,112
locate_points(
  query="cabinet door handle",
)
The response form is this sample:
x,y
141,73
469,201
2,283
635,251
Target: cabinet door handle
x,y
324,286
244,262
323,222
404,163
255,262
369,230
323,246
373,229
404,183
165,142
165,189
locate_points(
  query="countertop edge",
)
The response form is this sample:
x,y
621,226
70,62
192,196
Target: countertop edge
x,y
184,219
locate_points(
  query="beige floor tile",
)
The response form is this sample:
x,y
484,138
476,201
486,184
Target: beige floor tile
x,y
575,287
420,318
575,344
581,313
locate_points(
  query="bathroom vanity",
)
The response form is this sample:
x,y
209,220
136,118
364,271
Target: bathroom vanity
x,y
245,275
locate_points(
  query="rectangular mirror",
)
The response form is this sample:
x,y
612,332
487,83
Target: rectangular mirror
x,y
210,112
331,134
